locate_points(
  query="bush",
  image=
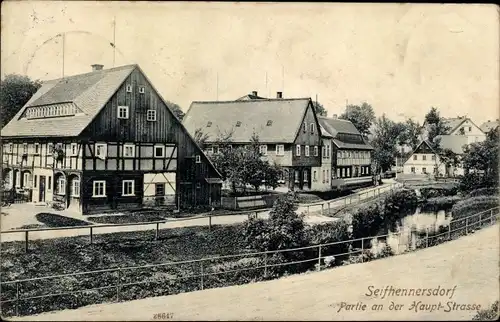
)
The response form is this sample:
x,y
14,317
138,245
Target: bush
x,y
433,192
443,202
285,228
492,191
473,205
490,314
368,221
330,232
54,220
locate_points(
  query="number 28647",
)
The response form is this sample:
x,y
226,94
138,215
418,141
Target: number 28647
x,y
163,316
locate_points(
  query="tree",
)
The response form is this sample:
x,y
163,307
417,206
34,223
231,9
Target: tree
x,y
411,134
200,138
386,135
436,126
320,109
176,109
15,92
481,160
361,116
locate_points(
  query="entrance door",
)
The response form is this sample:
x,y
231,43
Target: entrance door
x,y
42,189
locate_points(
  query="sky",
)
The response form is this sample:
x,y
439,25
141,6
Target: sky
x,y
400,58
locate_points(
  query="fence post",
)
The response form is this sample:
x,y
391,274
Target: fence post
x,y
449,231
426,237
308,210
319,258
467,225
157,230
118,273
209,222
17,298
362,249
322,205
91,235
201,275
491,216
265,265
26,241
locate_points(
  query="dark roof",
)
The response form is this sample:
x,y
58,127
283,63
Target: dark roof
x,y
89,92
332,127
426,142
286,116
250,97
454,143
489,125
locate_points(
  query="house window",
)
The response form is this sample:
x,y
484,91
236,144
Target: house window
x,y
37,148
433,157
26,179
338,173
159,189
35,178
297,175
280,149
312,128
348,172
424,170
327,176
11,147
198,159
414,157
50,147
470,128
304,127
151,115
424,157
263,149
128,188
339,155
209,124
142,89
49,184
61,186
306,179
76,188
100,150
99,189
123,112
74,149
25,148
129,150
129,88
269,123
412,169
315,173
297,150
316,151
328,151
159,151
362,170
324,175
238,123
307,150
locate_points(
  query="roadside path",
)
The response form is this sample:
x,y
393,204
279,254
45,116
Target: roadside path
x,y
469,263
313,216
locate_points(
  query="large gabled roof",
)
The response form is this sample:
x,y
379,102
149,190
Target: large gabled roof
x,y
273,120
489,125
334,126
89,92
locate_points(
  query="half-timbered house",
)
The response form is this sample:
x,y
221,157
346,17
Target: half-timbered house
x,y
104,141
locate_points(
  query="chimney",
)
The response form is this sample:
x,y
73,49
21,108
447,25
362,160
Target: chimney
x,y
254,93
334,116
97,67
279,94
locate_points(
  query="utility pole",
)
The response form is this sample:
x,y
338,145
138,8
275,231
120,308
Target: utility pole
x,y
114,40
217,89
63,40
267,90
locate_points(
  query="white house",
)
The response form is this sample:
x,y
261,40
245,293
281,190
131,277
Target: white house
x,y
463,126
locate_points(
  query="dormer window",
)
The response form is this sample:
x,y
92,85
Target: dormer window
x,y
238,124
123,112
129,88
209,124
142,89
198,159
312,128
269,123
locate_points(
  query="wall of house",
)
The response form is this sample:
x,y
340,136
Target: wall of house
x,y
167,129
322,176
473,133
307,137
421,163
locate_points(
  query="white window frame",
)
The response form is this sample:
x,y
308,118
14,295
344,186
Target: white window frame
x,y
25,148
280,149
37,149
306,152
104,149
162,151
142,89
297,150
11,147
312,128
198,158
412,169
297,176
129,88
61,186
121,108
26,179
97,183
424,157
316,151
74,149
124,150
75,183
306,179
315,175
263,149
151,115
328,151
124,184
327,176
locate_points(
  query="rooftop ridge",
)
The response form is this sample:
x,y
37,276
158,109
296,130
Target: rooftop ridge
x,y
92,73
252,101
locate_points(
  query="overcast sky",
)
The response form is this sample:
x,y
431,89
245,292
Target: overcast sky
x,y
402,59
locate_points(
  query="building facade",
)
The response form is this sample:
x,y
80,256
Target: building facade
x,y
105,141
287,129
